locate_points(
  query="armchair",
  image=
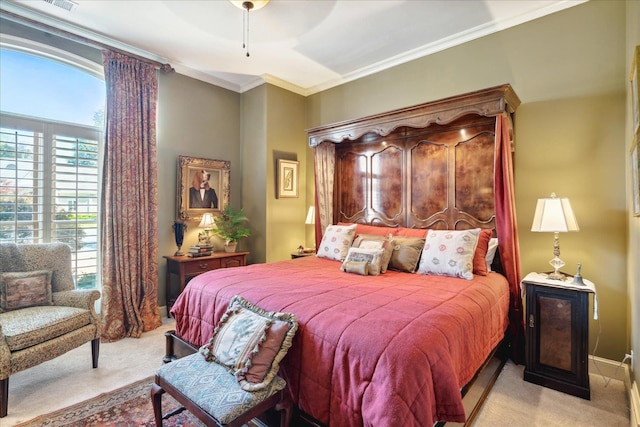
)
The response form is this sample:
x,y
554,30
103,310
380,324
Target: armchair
x,y
38,321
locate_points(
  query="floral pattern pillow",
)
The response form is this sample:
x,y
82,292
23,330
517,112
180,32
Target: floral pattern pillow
x,y
250,342
336,242
449,253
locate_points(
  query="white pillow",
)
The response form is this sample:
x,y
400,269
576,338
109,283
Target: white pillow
x,y
449,253
373,257
491,252
336,241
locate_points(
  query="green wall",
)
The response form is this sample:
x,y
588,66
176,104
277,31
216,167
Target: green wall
x,y
633,301
195,119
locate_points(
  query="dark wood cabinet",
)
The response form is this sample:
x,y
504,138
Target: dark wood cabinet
x,y
557,337
186,268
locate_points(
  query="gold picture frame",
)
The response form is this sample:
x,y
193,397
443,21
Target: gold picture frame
x,y
211,177
288,175
634,77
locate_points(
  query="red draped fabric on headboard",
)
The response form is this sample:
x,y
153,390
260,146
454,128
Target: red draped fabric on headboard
x,y
507,231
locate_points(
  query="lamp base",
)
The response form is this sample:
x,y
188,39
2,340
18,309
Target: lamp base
x,y
557,264
556,275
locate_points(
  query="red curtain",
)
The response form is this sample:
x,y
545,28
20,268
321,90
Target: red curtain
x,y
129,232
507,231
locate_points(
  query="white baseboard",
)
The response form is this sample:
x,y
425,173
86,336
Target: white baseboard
x,y
163,311
618,371
634,399
610,369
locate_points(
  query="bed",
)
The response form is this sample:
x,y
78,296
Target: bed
x,y
397,348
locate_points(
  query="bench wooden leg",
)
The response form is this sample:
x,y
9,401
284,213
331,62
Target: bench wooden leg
x,y
286,412
156,401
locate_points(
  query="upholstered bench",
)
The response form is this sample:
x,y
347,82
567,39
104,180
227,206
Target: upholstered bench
x,y
209,392
233,378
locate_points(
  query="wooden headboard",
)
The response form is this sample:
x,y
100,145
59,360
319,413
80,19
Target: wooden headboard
x,y
427,166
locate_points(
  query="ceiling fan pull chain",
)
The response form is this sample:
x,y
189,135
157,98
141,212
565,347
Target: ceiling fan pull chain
x,y
248,5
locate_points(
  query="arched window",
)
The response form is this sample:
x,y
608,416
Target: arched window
x,y
51,139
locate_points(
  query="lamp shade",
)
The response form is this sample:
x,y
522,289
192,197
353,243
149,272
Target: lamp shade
x,y
207,221
311,216
554,215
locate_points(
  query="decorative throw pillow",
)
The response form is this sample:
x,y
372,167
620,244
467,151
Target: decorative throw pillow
x,y
491,252
373,257
406,254
374,241
355,267
28,289
479,261
336,241
250,342
449,253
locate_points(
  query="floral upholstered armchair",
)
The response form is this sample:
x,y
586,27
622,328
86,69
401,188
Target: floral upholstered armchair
x,y
42,315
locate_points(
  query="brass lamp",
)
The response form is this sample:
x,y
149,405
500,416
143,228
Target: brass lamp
x,y
554,215
206,223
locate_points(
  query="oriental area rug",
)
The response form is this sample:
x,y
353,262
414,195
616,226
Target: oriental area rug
x,y
126,406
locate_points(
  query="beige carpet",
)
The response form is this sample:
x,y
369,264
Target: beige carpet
x,y
69,379
515,402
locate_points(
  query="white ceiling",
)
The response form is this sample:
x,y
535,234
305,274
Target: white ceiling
x,y
302,45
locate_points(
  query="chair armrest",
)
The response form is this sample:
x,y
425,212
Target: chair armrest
x,y
79,298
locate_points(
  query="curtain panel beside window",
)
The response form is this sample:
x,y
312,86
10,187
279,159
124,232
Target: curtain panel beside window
x,y
129,234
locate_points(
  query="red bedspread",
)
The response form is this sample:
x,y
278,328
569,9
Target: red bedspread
x,y
377,351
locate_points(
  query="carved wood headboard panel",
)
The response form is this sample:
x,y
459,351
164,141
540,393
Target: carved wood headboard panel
x,y
428,166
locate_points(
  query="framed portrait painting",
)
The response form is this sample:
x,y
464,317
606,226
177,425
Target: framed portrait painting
x,y
202,186
287,178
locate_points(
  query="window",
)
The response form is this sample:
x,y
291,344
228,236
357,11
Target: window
x,y
49,168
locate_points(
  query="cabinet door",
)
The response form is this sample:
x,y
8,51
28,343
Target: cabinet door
x,y
235,261
557,339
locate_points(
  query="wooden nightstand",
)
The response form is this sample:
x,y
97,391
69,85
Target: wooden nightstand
x,y
557,334
186,268
295,255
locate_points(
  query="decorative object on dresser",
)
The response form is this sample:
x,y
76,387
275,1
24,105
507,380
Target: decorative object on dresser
x,y
186,268
206,223
179,228
203,186
230,227
557,333
554,215
200,250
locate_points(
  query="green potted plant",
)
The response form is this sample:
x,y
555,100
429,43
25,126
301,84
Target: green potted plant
x,y
230,227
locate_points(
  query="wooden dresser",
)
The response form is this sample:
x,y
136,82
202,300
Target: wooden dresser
x,y
185,268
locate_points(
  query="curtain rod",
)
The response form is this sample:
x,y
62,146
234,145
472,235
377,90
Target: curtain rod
x,y
167,68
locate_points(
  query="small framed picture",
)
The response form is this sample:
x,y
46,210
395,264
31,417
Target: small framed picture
x,y
287,178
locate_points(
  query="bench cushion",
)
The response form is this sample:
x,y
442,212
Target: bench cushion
x,y
213,388
34,325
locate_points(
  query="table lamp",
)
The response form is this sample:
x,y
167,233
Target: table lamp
x,y
207,223
554,215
